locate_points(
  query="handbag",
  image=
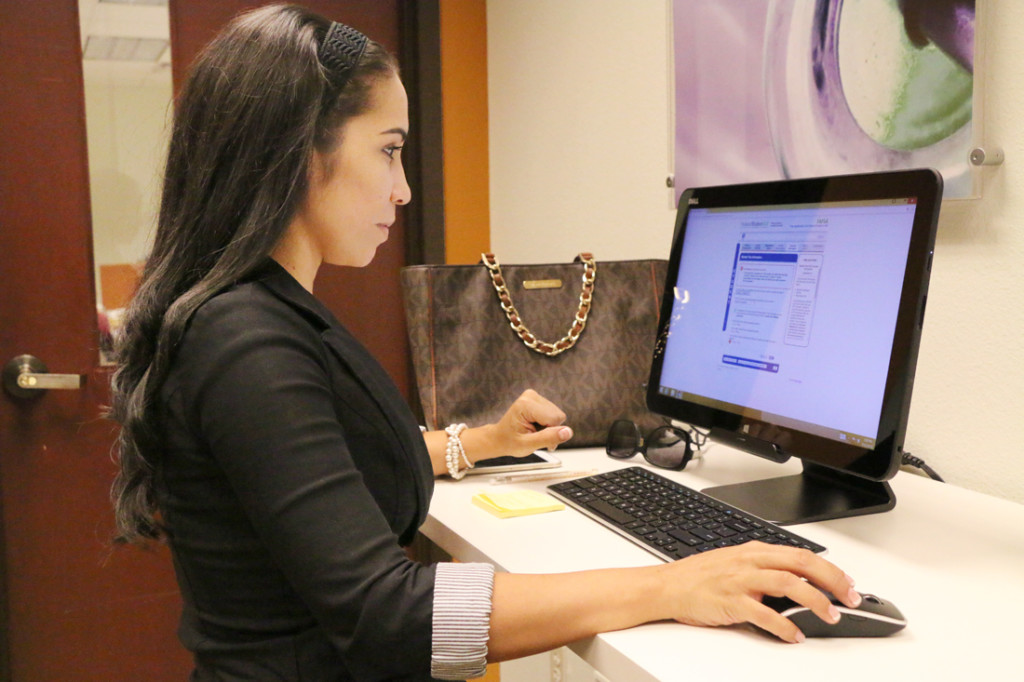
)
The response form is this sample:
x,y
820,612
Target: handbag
x,y
482,334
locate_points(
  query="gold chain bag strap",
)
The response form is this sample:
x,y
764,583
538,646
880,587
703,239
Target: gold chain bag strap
x,y
473,353
579,323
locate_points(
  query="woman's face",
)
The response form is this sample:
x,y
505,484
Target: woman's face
x,y
354,189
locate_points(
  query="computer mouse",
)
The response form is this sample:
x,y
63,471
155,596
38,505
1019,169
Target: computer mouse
x,y
875,617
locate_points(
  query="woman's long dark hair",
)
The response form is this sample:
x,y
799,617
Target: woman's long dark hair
x,y
256,104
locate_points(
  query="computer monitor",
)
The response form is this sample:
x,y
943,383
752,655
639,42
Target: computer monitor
x,y
790,327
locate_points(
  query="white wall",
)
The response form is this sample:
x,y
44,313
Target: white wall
x,y
127,109
579,147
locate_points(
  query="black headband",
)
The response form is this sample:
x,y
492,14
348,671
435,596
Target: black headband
x,y
340,52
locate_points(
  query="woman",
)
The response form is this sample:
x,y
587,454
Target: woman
x,y
272,452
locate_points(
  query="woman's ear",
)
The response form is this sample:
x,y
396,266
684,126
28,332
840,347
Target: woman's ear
x,y
320,169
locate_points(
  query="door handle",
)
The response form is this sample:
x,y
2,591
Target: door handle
x,y
26,376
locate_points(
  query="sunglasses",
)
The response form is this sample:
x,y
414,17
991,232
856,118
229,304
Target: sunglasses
x,y
666,447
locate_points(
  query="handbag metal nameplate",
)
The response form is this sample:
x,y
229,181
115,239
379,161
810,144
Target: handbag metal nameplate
x,y
542,284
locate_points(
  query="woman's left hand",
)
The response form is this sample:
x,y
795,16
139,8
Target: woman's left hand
x,y
531,423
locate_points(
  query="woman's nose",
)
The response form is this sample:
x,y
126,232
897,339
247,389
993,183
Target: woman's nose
x,y
401,194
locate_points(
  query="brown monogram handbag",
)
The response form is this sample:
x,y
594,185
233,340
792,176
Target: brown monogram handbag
x,y
581,334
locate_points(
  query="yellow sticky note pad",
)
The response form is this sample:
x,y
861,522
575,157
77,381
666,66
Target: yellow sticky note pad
x,y
517,503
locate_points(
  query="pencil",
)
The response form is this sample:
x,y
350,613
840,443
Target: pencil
x,y
551,475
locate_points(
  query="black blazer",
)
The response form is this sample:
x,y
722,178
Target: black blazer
x,y
292,473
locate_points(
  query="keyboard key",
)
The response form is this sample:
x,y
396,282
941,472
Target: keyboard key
x,y
686,538
705,534
613,513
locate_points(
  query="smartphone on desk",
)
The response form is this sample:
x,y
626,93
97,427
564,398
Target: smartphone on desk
x,y
541,459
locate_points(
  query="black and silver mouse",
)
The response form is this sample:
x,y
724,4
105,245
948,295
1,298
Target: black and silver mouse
x,y
875,617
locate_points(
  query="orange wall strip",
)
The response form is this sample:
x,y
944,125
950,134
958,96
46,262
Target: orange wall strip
x,y
465,129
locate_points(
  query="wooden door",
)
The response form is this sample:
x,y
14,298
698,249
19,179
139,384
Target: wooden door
x,y
75,608
72,606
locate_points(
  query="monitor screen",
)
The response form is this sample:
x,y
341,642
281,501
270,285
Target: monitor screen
x,y
790,326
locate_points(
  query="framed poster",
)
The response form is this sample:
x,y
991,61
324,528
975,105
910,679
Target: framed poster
x,y
767,89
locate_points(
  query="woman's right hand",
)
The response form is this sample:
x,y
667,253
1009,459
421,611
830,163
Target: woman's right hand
x,y
726,586
533,613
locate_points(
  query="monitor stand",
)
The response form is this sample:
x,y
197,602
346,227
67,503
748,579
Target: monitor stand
x,y
817,494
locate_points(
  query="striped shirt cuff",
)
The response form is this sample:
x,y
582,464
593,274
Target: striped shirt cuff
x,y
461,620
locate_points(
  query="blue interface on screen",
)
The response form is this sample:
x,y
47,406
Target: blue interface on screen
x,y
787,314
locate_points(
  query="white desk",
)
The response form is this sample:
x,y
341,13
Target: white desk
x,y
962,593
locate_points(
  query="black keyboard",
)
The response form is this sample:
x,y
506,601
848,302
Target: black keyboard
x,y
666,518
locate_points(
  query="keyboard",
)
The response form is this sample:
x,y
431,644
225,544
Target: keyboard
x,y
666,518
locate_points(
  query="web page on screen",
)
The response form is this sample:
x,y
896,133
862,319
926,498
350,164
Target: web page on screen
x,y
790,312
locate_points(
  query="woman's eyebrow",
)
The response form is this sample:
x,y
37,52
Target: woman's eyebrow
x,y
397,131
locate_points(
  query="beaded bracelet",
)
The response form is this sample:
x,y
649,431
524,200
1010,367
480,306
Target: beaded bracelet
x,y
454,450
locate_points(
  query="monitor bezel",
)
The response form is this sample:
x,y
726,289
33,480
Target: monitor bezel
x,y
882,461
